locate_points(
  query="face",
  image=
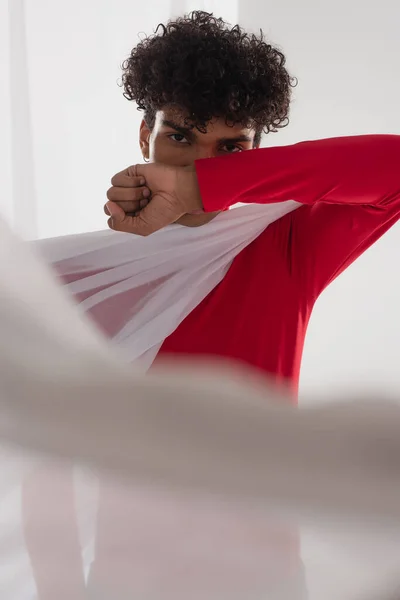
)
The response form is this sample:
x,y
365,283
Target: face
x,y
173,143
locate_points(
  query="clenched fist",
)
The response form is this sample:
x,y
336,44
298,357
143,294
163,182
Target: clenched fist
x,y
146,198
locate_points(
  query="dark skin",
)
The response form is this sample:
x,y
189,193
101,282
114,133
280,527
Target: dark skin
x,y
171,142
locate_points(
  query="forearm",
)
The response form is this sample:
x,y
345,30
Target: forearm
x,y
354,170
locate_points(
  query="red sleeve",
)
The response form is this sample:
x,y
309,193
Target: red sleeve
x,y
352,170
350,186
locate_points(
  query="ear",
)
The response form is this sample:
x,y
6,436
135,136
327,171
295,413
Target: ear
x,y
144,140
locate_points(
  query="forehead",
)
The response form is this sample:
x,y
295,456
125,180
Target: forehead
x,y
217,128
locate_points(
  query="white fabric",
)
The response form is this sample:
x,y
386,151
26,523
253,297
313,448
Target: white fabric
x,y
213,446
138,290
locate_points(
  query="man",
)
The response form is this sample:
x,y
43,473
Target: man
x,y
208,91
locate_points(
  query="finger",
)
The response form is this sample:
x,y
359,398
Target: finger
x,y
116,213
126,225
121,221
129,208
124,222
131,194
128,178
158,213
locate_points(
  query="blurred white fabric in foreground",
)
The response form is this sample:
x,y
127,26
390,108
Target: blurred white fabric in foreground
x,y
217,446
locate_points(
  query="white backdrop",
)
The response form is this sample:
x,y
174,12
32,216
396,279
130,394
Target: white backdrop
x,y
66,128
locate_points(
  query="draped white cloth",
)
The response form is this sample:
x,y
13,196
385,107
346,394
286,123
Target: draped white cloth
x,y
219,448
138,290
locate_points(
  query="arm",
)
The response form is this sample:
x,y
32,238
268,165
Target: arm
x,y
356,170
350,186
349,170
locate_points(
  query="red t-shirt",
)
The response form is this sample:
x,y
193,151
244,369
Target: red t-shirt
x,y
258,314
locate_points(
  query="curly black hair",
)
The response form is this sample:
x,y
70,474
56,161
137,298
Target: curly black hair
x,y
209,69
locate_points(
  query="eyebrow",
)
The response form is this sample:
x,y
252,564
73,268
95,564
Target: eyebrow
x,y
188,131
237,138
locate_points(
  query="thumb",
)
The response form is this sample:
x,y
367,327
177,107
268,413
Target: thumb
x,y
158,213
150,219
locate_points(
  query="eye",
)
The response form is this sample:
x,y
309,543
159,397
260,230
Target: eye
x,y
231,148
179,138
